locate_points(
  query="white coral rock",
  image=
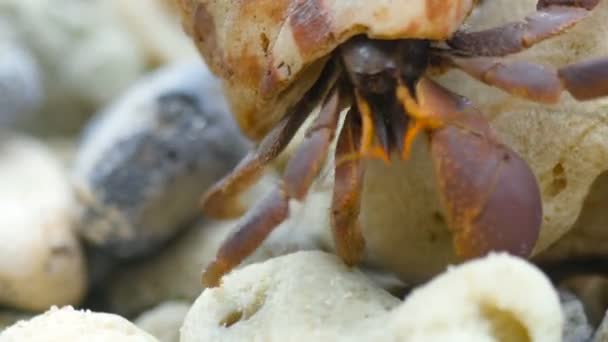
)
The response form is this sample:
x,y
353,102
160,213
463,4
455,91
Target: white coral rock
x,y
41,260
312,296
68,324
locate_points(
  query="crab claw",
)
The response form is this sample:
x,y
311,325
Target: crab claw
x,y
490,196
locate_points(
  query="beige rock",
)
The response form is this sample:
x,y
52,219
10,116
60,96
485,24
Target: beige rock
x,y
67,324
41,262
157,28
86,55
312,296
588,238
164,321
576,325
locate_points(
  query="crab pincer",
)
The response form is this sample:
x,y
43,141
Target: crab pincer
x,y
490,195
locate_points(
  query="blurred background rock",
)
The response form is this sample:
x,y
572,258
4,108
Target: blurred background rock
x,y
69,58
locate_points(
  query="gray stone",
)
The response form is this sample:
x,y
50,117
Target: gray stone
x,y
85,53
144,161
21,91
576,327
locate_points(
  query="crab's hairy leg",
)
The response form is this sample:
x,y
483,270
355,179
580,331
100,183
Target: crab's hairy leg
x,y
222,199
489,194
267,214
584,80
552,18
348,182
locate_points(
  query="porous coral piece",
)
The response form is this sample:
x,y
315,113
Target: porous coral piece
x,y
312,296
68,324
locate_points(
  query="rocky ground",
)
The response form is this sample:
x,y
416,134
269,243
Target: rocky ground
x,y
111,128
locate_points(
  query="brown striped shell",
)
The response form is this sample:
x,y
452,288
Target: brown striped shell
x,y
269,52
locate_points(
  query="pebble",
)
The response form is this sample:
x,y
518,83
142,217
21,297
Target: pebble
x,y
145,161
164,321
576,327
68,324
41,261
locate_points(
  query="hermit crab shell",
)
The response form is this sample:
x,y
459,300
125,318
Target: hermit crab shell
x,y
269,52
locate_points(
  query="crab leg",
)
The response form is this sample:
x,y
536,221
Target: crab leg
x,y
348,181
267,214
222,199
552,18
584,80
489,194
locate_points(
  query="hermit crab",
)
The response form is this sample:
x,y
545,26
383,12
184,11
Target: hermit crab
x,y
280,59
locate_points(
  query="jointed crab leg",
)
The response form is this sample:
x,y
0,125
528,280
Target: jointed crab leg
x,y
274,209
489,194
552,18
348,182
221,200
585,80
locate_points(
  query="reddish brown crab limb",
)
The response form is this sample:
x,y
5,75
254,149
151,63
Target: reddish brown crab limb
x,y
587,4
348,182
586,80
528,80
489,194
552,18
306,163
222,199
274,209
257,224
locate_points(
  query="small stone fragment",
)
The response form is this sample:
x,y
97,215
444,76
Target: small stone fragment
x,y
164,321
576,327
